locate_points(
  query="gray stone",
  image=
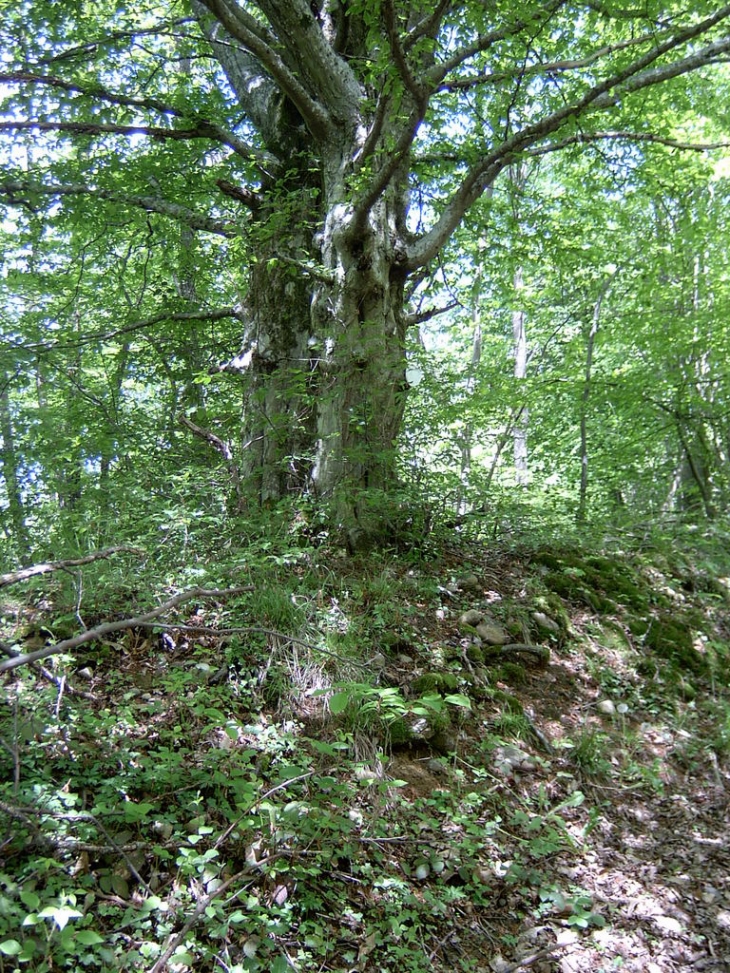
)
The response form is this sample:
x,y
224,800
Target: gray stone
x,y
492,634
471,617
544,621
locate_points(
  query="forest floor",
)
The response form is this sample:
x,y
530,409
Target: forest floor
x,y
333,771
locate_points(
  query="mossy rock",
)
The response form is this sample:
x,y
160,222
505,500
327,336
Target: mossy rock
x,y
399,733
475,654
672,639
394,642
492,654
435,682
553,606
609,635
561,584
571,589
547,559
596,581
592,599
512,673
428,682
450,681
515,630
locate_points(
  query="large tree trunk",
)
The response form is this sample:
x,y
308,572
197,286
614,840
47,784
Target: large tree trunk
x,y
324,363
324,322
278,361
361,390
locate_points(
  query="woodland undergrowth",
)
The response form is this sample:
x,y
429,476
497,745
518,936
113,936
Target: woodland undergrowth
x,y
312,763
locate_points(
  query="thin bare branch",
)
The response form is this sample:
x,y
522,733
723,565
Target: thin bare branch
x,y
418,91
202,130
110,39
585,138
226,452
428,27
432,312
32,572
163,318
22,194
439,71
89,91
550,67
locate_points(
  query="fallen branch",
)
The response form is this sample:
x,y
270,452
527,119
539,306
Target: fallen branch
x,y
100,631
533,958
36,569
203,903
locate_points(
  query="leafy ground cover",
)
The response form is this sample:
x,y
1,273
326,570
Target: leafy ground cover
x,y
331,769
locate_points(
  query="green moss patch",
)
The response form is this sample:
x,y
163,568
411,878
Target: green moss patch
x,y
672,639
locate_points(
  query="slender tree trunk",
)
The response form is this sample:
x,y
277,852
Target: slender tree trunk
x,y
468,431
519,337
581,514
11,475
696,489
518,176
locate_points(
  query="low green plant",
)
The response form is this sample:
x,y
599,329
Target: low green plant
x,y
378,709
590,752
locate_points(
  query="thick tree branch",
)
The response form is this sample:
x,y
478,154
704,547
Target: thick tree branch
x,y
661,74
254,89
382,178
22,194
329,78
420,92
249,199
636,76
263,44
